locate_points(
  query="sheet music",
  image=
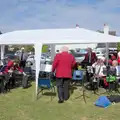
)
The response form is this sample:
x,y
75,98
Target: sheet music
x,y
46,68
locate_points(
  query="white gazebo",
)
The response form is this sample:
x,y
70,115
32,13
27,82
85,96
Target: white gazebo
x,y
53,37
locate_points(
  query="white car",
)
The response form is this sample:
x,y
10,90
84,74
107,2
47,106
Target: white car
x,y
80,59
100,53
44,59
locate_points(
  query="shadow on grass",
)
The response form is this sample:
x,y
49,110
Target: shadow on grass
x,y
49,94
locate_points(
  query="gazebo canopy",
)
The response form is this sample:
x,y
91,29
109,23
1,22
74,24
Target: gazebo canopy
x,y
54,36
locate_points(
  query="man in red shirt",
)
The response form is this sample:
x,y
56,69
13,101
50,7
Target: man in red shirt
x,y
62,66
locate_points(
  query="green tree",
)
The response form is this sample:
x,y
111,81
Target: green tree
x,y
29,48
44,48
16,47
118,46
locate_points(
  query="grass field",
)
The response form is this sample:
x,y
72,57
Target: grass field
x,y
20,104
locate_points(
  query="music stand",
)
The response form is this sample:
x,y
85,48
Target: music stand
x,y
95,83
83,91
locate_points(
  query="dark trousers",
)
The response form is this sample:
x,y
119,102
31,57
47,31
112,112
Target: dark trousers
x,y
63,88
88,76
22,64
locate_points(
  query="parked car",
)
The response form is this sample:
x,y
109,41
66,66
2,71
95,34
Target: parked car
x,y
44,59
79,57
17,53
100,54
11,56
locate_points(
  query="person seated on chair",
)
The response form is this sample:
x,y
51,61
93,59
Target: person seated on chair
x,y
98,67
112,75
90,58
118,69
113,57
118,57
112,69
10,68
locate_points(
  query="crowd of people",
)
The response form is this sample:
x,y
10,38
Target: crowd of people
x,y
96,70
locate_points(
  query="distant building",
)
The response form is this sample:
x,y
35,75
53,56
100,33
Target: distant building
x,y
111,45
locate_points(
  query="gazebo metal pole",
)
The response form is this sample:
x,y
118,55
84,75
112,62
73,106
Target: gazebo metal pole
x,y
106,31
52,51
107,53
2,53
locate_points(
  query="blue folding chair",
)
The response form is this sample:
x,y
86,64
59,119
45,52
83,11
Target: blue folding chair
x,y
45,84
77,75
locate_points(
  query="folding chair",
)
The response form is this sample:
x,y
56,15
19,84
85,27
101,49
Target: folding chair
x,y
4,83
77,75
2,86
18,77
45,83
27,78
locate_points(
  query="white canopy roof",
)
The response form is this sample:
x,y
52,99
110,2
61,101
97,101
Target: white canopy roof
x,y
56,36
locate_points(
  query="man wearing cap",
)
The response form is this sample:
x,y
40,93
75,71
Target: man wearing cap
x,y
62,66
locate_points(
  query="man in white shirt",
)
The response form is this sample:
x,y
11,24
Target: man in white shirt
x,y
99,67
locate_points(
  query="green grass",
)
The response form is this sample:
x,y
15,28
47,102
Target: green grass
x,y
20,104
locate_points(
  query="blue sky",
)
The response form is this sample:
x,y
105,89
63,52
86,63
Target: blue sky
x,y
35,14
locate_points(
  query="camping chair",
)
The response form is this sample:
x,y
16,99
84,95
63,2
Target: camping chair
x,y
4,83
18,77
45,83
27,78
2,86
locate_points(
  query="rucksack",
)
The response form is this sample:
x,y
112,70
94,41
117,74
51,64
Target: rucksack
x,y
114,98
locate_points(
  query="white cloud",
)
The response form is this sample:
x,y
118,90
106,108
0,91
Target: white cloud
x,y
34,14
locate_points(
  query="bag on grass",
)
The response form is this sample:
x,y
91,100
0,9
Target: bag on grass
x,y
103,101
114,98
25,81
